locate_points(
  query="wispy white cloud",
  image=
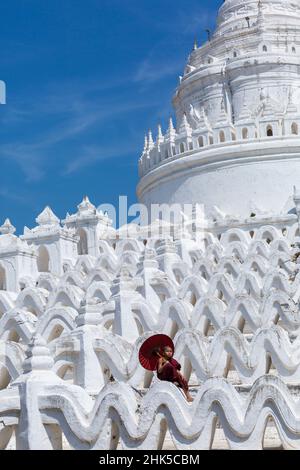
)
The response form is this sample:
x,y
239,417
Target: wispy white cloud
x,y
67,116
26,157
153,70
69,111
89,155
195,23
12,195
184,18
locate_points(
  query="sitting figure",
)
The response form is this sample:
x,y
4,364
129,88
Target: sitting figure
x,y
168,369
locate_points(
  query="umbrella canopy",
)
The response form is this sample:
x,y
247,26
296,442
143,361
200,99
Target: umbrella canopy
x,y
147,355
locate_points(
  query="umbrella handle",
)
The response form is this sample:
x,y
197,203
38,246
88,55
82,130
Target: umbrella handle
x,y
158,354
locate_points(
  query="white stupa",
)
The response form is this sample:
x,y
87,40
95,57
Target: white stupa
x,y
237,141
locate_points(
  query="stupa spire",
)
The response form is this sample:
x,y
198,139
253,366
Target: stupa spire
x,y
160,137
150,140
171,132
7,228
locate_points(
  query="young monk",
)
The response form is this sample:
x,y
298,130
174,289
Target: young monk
x,y
168,369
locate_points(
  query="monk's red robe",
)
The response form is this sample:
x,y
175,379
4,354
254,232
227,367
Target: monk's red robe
x,y
170,373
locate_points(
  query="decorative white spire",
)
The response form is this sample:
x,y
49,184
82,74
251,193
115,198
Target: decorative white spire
x,y
245,114
47,217
38,355
7,228
199,120
223,116
291,107
185,128
145,149
145,143
268,108
171,132
150,141
171,125
204,119
86,206
123,280
160,137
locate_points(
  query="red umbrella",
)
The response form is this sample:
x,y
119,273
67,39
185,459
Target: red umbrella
x,y
147,356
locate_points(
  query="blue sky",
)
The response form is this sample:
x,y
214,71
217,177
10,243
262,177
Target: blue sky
x,y
85,80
